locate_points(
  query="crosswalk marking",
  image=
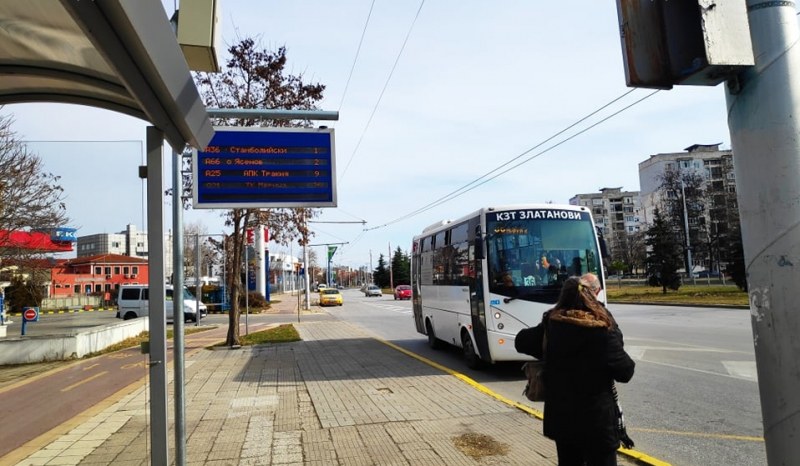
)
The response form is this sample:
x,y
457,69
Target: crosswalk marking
x,y
738,369
392,307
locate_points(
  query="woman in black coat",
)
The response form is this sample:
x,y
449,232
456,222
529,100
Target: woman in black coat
x,y
584,356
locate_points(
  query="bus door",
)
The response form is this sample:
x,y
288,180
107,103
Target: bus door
x,y
416,276
477,295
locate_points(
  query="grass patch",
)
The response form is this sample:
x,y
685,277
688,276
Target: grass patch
x,y
281,334
698,295
284,333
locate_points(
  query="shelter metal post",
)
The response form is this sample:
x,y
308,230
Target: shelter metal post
x,y
157,291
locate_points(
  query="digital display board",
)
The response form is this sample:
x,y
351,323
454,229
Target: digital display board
x,y
266,168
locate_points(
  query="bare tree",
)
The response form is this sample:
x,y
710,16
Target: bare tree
x,y
31,199
195,234
256,78
629,249
686,188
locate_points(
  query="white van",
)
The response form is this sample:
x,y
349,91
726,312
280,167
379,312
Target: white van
x,y
134,301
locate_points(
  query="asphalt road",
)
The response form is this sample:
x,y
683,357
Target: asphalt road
x,y
694,399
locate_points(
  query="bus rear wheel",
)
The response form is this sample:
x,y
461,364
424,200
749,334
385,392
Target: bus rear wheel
x,y
433,342
470,356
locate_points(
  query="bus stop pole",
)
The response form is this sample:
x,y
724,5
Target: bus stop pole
x,y
763,104
157,322
177,297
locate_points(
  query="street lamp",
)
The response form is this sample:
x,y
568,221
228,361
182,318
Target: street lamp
x,y
689,266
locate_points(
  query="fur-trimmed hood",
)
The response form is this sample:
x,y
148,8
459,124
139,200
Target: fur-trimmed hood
x,y
578,317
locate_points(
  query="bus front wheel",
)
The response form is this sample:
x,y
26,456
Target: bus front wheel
x,y
433,342
470,356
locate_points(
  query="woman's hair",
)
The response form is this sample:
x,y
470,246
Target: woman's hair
x,y
581,293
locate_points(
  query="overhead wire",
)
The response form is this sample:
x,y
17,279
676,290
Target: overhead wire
x,y
474,184
380,96
576,123
355,59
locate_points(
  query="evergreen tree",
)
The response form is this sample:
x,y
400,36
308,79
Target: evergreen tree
x,y
381,274
401,267
735,255
664,254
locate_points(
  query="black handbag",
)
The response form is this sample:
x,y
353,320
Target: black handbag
x,y
534,372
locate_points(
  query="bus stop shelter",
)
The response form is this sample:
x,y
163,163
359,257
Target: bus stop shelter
x,y
123,56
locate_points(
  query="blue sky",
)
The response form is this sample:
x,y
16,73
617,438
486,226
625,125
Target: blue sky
x,y
477,84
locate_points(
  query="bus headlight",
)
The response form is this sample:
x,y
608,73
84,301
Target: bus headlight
x,y
500,327
497,315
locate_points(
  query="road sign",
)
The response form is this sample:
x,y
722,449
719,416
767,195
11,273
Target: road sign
x,y
266,168
31,314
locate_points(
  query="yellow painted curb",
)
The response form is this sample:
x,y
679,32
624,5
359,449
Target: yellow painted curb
x,y
637,455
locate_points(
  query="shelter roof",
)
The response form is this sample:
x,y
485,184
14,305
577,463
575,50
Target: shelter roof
x,y
120,55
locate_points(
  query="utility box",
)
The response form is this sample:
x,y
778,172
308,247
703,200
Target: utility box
x,y
199,34
684,42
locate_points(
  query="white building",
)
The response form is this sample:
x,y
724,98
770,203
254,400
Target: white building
x,y
707,160
129,242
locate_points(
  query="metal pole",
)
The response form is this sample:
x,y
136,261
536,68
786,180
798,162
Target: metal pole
x,y
763,104
689,265
246,287
198,286
177,289
391,272
156,278
307,281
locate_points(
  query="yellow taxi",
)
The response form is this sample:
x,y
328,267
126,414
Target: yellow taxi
x,y
330,297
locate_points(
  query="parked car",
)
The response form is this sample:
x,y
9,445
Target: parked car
x,y
134,301
402,292
330,297
321,286
373,290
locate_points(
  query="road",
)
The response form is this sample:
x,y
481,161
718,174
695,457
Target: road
x,y
694,399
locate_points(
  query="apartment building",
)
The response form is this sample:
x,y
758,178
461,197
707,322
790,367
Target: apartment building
x,y
714,165
615,211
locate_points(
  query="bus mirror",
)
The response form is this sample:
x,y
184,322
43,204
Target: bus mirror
x,y
603,246
479,244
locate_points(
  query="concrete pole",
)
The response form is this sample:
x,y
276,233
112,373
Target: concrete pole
x,y
156,277
177,326
763,107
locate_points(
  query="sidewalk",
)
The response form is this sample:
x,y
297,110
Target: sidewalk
x,y
338,397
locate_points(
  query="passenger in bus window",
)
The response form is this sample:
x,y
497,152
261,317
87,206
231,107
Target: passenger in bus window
x,y
584,353
576,266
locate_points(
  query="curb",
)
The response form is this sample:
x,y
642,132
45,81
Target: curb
x,y
635,455
65,311
717,306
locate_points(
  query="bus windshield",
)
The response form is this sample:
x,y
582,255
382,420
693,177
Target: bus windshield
x,y
531,252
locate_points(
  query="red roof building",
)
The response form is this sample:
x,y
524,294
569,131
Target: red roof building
x,y
96,274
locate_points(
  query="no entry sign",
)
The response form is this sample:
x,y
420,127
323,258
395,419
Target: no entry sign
x,y
31,314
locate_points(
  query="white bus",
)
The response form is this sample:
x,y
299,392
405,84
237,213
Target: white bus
x,y
480,279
